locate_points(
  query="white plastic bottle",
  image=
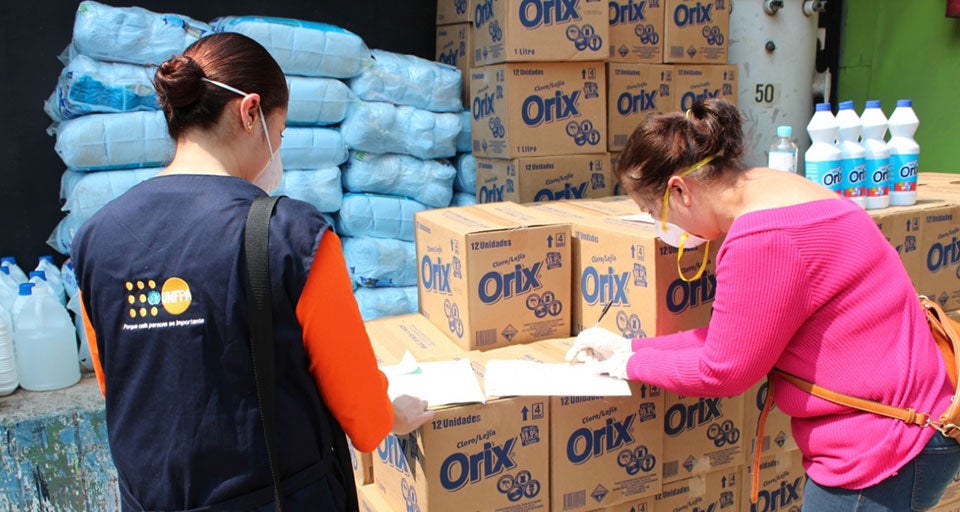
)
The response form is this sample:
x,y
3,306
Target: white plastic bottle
x,y
85,359
39,277
46,344
45,264
15,271
9,289
23,295
783,153
873,126
9,378
853,164
904,154
69,277
822,160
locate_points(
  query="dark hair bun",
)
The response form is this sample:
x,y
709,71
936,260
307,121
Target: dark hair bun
x,y
717,127
178,82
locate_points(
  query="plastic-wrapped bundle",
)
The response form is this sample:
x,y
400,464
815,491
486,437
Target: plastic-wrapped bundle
x,y
317,101
115,141
319,187
427,181
304,48
466,179
410,80
133,34
312,148
377,216
380,302
87,86
463,199
377,127
464,145
61,238
380,261
86,192
69,277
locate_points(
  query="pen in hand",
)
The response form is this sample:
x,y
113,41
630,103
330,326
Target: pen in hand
x,y
599,319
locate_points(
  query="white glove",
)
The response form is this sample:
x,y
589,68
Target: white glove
x,y
614,366
409,413
598,344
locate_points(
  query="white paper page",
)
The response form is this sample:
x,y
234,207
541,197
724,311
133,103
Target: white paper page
x,y
439,383
528,378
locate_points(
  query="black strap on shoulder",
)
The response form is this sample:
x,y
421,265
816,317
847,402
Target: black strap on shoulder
x,y
255,247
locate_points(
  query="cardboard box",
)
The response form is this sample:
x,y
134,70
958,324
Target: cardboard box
x,y
636,31
623,262
641,505
613,206
538,109
694,83
778,437
618,189
371,500
540,30
940,255
362,465
719,490
492,456
393,335
549,178
634,93
702,435
494,274
605,450
696,31
454,43
450,12
901,227
950,500
782,479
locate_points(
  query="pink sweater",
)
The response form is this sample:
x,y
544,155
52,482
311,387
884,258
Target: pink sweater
x,y
815,290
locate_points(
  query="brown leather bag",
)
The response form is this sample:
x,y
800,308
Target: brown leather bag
x,y
946,334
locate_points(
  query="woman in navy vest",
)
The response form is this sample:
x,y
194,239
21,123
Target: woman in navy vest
x,y
162,277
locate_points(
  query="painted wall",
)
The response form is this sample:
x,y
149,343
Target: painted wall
x,y
906,49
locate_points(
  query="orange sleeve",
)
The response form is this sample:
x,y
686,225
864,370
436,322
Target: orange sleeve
x,y
341,358
94,350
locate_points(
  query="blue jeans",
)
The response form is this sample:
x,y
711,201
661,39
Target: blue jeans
x,y
917,486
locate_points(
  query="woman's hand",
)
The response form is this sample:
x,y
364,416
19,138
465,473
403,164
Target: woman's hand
x,y
598,344
409,413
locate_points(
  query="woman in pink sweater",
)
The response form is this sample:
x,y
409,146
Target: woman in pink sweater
x,y
807,284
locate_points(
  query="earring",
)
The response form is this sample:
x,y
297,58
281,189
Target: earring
x,y
250,126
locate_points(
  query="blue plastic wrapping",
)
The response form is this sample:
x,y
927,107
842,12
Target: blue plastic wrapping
x,y
319,187
301,47
463,199
317,101
427,181
377,303
464,145
380,261
377,127
61,238
133,34
409,80
84,193
312,148
377,216
466,179
89,86
114,141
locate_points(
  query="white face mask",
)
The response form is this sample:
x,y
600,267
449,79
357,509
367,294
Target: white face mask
x,y
675,236
269,177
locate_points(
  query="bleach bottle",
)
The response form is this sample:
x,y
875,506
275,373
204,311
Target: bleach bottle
x,y
873,126
853,164
904,154
9,378
54,279
11,263
23,295
45,343
9,289
822,160
39,278
783,153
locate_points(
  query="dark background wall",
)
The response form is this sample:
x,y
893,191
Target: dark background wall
x,y
33,33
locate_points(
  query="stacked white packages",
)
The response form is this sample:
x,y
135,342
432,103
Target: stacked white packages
x,y
409,80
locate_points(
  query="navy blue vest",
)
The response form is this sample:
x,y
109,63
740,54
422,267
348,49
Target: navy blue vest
x,y
162,274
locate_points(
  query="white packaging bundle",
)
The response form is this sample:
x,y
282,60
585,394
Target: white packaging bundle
x,y
463,199
302,48
85,193
133,34
377,216
427,181
377,303
312,148
317,101
463,139
380,261
466,179
377,127
114,141
88,86
319,187
409,80
61,238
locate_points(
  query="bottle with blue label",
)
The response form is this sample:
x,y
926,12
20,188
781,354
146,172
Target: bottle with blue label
x,y
783,153
873,127
904,154
853,163
822,160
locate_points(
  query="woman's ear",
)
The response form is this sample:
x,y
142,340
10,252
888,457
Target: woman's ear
x,y
249,110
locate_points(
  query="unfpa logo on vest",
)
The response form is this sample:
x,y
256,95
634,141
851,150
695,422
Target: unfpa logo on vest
x,y
145,299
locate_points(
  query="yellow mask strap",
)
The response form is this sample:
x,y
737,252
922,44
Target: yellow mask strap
x,y
666,194
703,263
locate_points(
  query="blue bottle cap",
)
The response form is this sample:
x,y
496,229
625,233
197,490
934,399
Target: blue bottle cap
x,y
823,107
5,270
784,131
846,105
904,103
38,273
47,257
8,259
26,289
873,104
